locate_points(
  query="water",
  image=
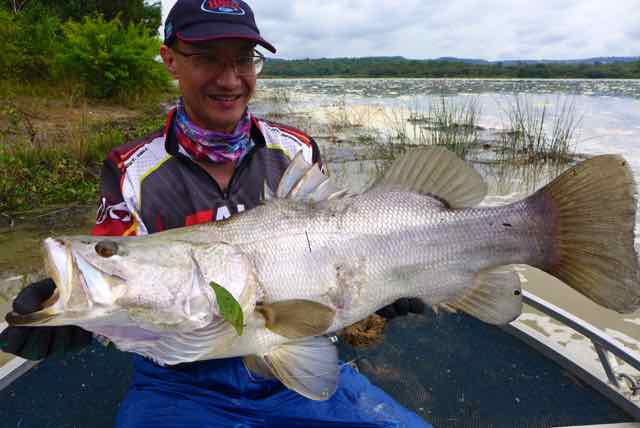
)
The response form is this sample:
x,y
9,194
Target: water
x,y
609,109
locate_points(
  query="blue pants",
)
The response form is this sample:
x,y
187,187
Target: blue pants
x,y
222,393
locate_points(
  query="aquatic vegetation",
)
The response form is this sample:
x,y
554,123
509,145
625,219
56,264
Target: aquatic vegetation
x,y
444,122
276,102
344,116
539,132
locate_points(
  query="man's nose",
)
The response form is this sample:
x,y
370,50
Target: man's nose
x,y
228,76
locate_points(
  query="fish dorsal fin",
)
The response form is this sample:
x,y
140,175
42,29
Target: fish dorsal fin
x,y
436,171
292,175
496,297
308,366
305,182
297,318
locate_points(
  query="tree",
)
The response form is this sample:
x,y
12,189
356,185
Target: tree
x,y
148,13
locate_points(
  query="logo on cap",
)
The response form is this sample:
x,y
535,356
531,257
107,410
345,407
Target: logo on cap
x,y
226,7
168,30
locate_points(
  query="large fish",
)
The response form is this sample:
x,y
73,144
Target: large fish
x,y
313,259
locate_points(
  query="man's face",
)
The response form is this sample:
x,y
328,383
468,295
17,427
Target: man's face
x,y
214,100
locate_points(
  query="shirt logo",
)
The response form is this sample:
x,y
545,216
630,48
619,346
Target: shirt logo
x,y
118,212
225,7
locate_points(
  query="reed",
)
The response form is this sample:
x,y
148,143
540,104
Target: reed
x,y
276,103
445,122
539,133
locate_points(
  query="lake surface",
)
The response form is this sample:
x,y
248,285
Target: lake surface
x,y
609,109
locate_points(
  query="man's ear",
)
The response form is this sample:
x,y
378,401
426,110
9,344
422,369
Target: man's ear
x,y
169,59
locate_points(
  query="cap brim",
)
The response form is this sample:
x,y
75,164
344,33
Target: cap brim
x,y
204,33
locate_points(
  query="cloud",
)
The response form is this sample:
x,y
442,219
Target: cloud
x,y
491,29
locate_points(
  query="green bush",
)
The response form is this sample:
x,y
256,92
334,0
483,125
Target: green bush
x,y
111,59
28,41
139,11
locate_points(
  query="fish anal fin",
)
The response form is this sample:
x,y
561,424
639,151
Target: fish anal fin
x,y
297,318
309,367
496,297
258,366
436,171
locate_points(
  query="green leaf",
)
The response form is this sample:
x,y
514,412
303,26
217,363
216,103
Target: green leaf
x,y
229,307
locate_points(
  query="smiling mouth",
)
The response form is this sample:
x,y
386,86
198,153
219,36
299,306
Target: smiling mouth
x,y
225,98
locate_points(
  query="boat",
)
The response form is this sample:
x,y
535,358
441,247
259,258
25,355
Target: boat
x,y
451,369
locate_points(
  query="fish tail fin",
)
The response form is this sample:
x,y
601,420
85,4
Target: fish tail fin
x,y
593,216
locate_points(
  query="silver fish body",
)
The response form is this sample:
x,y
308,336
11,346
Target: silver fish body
x,y
312,261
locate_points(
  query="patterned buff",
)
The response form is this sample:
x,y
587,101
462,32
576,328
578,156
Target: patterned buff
x,y
212,146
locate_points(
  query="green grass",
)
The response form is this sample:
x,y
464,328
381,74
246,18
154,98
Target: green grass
x,y
52,146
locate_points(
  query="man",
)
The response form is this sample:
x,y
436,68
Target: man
x,y
209,162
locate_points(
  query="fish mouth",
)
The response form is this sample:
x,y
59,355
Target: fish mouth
x,y
82,290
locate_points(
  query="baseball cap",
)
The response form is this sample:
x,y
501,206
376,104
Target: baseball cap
x,y
202,20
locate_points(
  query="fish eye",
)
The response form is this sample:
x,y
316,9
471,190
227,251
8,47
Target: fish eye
x,y
106,249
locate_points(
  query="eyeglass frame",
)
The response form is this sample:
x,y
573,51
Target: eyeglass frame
x,y
256,54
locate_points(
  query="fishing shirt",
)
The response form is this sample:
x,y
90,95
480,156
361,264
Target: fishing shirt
x,y
151,184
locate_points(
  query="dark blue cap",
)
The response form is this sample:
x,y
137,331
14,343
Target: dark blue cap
x,y
194,21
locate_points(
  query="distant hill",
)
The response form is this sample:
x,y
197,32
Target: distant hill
x,y
596,60
397,66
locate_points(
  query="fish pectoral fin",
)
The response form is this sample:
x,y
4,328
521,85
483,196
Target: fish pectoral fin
x,y
436,171
295,319
496,297
309,367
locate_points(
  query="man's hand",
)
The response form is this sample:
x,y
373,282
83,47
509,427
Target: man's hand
x,y
36,343
402,307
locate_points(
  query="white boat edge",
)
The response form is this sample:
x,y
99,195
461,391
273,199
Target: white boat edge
x,y
592,363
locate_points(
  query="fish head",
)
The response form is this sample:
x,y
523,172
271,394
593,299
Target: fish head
x,y
152,282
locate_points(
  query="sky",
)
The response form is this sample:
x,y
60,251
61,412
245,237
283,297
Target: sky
x,y
483,29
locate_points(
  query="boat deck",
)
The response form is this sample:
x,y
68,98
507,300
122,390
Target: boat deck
x,y
452,370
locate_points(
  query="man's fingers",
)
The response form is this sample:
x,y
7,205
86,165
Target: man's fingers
x,y
38,343
402,306
61,340
69,339
387,312
12,339
416,306
31,297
